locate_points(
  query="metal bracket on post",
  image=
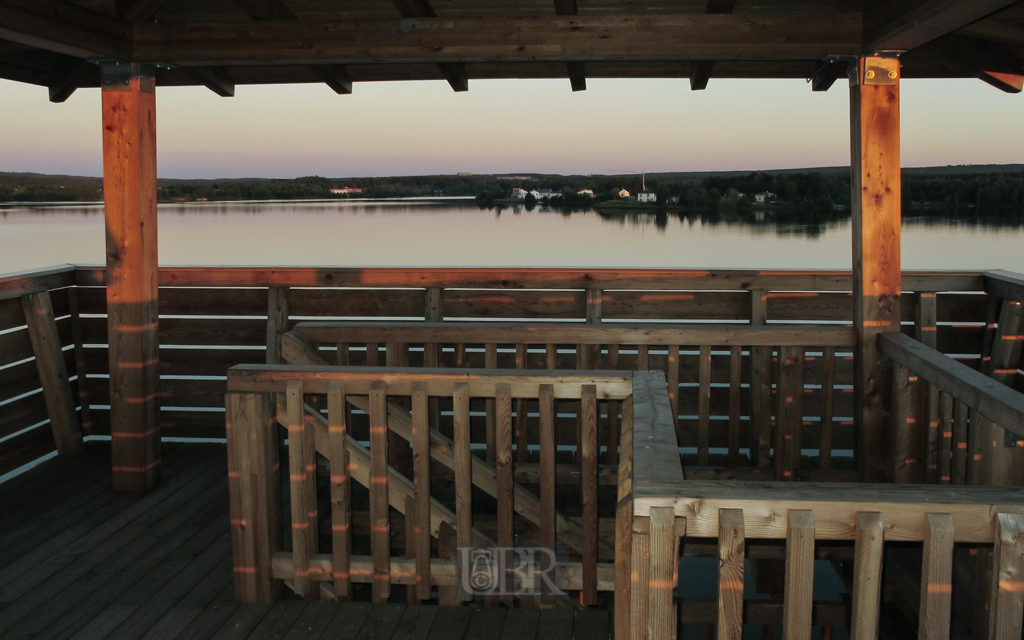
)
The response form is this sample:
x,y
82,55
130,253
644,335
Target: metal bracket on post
x,y
118,76
881,71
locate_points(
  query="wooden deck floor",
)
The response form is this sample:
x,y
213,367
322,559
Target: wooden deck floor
x,y
79,561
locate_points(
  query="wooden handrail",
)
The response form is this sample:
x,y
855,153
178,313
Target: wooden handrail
x,y
989,397
716,335
536,278
13,285
1005,284
253,378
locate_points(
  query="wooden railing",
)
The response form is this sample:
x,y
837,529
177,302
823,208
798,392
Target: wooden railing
x,y
660,514
41,408
212,318
261,558
215,317
975,413
744,391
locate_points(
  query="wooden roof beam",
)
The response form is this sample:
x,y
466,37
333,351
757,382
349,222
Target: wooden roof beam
x,y
453,72
139,10
902,25
65,28
215,79
503,39
700,71
989,62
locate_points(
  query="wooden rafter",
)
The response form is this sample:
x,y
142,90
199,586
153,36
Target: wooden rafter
x,y
1003,81
453,72
902,25
334,76
215,79
69,78
826,75
577,71
989,62
139,10
64,28
499,39
701,70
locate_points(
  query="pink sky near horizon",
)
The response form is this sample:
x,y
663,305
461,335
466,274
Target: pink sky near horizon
x,y
502,126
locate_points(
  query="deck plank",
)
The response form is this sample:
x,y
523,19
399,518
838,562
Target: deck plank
x,y
415,623
345,624
157,566
452,625
55,573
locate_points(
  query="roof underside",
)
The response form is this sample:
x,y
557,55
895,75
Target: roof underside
x,y
221,43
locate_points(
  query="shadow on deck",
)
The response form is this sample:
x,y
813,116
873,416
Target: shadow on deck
x,y
80,561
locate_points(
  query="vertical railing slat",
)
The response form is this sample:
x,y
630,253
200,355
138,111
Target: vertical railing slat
x,y
731,569
664,560
341,489
372,354
503,462
799,594
704,407
421,479
867,576
380,515
789,423
302,476
735,386
463,469
490,362
611,454
1007,600
946,446
936,578
342,355
548,453
961,413
522,413
624,526
588,491
828,396
673,385
640,583
642,359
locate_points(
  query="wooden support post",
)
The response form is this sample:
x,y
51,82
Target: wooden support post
x,y
908,439
735,388
53,372
664,562
277,322
640,583
828,394
731,562
254,488
548,459
503,463
129,192
799,599
1007,601
463,470
877,285
867,576
936,579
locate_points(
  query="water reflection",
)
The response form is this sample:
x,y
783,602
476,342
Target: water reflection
x,y
432,233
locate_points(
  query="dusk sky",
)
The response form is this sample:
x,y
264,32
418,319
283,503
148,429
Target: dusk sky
x,y
410,128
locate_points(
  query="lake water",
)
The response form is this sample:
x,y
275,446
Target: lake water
x,y
451,233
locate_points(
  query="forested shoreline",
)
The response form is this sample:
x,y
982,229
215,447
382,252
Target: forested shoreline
x,y
826,190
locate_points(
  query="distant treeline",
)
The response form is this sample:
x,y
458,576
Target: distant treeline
x,y
805,190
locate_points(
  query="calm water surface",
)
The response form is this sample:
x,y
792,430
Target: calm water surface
x,y
460,234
